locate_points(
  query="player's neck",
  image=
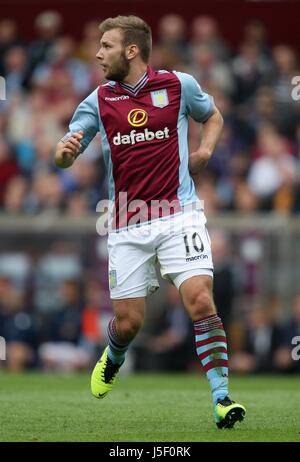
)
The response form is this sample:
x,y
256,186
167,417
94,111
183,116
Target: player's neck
x,y
136,72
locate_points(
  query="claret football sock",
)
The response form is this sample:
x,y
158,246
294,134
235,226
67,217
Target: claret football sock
x,y
116,347
211,347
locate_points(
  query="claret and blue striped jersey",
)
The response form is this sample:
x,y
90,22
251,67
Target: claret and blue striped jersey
x,y
144,137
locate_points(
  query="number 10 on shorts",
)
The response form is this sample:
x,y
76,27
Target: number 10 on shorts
x,y
193,241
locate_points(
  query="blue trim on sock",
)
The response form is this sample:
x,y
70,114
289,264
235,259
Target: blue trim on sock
x,y
116,357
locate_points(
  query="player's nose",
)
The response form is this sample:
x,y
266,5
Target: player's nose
x,y
99,54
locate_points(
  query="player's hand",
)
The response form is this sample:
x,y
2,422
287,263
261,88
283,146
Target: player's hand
x,y
198,160
68,151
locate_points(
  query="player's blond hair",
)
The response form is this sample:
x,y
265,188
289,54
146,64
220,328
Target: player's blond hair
x,y
135,31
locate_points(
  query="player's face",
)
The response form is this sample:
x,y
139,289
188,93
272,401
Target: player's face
x,y
112,56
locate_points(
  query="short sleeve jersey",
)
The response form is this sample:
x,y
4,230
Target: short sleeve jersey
x,y
144,138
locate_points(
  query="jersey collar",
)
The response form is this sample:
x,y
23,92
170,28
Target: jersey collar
x,y
135,89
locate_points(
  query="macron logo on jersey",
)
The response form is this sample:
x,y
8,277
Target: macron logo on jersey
x,y
146,135
116,98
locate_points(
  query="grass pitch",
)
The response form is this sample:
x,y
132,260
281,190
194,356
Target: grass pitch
x,y
157,408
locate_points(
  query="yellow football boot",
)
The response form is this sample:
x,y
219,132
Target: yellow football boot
x,y
104,376
227,412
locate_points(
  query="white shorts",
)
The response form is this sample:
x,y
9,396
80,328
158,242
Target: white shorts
x,y
179,244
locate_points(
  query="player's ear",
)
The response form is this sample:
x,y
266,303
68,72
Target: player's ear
x,y
131,51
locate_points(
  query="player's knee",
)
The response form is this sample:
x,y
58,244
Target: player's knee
x,y
201,305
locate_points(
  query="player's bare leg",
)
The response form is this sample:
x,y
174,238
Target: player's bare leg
x,y
211,346
123,327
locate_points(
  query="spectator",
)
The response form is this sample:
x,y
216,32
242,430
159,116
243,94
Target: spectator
x,y
9,38
31,124
262,338
60,262
14,201
77,204
205,31
206,189
163,57
170,348
249,68
63,352
17,326
209,71
225,284
244,199
95,318
87,50
61,61
85,175
172,36
15,70
89,45
286,67
8,168
47,195
48,26
263,110
255,33
275,169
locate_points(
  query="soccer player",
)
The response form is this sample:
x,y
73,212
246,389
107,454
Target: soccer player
x,y
142,117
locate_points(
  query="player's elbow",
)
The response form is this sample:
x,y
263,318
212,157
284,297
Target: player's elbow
x,y
221,120
218,117
216,121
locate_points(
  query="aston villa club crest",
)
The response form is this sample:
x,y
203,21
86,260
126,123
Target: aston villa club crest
x,y
160,98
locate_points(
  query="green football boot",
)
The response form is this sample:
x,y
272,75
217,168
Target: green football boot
x,y
104,376
227,412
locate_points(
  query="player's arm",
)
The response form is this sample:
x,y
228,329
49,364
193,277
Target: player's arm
x,y
200,106
83,127
212,129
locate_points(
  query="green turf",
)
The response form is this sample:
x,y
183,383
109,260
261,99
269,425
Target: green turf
x,y
42,407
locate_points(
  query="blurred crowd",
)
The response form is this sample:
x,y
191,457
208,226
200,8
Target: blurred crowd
x,y
61,323
67,332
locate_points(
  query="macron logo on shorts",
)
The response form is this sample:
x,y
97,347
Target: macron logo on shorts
x,y
197,257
